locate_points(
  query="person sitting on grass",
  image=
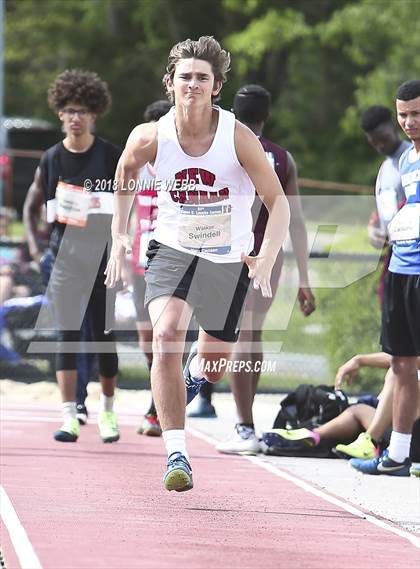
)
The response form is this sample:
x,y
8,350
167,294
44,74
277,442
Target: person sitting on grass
x,y
371,426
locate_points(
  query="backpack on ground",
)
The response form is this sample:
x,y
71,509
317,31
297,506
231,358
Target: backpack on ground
x,y
310,406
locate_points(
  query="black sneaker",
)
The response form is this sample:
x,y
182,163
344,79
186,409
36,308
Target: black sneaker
x,y
82,414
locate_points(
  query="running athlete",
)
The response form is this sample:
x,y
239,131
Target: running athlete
x,y
81,229
207,166
146,213
252,106
401,304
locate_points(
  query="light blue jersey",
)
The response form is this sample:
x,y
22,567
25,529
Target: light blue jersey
x,y
404,229
389,191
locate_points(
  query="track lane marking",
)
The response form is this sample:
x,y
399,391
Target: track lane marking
x,y
28,559
414,540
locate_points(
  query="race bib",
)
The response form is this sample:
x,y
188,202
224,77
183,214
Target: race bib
x,y
72,204
405,226
206,228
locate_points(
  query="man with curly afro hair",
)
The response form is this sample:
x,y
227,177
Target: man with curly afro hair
x,y
75,179
82,87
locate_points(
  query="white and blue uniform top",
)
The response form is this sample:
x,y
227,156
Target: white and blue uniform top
x,y
389,191
404,229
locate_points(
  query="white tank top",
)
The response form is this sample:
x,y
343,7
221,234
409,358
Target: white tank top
x,y
204,202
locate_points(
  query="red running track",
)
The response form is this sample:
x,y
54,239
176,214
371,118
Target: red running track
x,y
96,506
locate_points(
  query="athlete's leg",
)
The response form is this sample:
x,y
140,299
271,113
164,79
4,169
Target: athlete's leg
x,y
249,348
84,361
213,355
242,382
145,335
170,317
101,301
404,371
348,425
67,381
383,413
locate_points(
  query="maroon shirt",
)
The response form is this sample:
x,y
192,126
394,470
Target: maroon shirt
x,y
277,156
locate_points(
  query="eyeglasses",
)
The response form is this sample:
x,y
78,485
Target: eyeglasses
x,y
73,112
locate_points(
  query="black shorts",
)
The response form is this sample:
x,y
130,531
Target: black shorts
x,y
139,291
216,291
400,334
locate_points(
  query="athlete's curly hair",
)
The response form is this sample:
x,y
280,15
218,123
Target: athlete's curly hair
x,y
82,87
205,48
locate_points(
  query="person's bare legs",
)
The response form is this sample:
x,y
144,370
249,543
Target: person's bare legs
x,y
149,426
348,425
404,371
145,335
358,418
382,418
213,355
249,348
170,317
67,382
108,385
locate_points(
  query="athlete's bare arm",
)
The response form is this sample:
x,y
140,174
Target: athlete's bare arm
x,y
32,209
141,148
252,157
298,237
351,368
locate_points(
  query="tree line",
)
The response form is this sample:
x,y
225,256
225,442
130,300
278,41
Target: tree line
x,y
323,61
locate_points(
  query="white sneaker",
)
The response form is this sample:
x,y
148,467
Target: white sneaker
x,y
243,441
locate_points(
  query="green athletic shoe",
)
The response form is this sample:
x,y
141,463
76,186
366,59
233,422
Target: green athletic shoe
x,y
362,448
415,471
295,435
108,428
69,431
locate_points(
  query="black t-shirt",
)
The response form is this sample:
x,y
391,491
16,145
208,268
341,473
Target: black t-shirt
x,y
98,165
58,163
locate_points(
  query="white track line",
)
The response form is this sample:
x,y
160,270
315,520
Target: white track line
x,y
28,559
414,540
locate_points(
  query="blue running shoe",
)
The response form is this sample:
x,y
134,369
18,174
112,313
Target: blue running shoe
x,y
178,475
192,385
382,465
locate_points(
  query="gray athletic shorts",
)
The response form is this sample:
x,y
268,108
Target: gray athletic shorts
x,y
216,291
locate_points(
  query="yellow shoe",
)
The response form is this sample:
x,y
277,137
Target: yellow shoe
x,y
108,428
69,431
362,448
